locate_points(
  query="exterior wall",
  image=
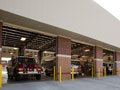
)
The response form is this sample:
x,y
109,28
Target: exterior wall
x,y
117,63
31,53
98,52
84,17
63,58
47,56
6,52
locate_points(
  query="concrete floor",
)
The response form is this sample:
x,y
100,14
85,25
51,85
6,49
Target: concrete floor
x,y
108,83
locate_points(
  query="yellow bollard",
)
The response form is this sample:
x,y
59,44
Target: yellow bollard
x,y
92,72
112,71
54,72
104,71
119,72
99,73
60,74
72,73
0,76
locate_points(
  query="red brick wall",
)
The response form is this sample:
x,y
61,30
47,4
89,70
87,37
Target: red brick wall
x,y
63,48
117,63
98,63
98,52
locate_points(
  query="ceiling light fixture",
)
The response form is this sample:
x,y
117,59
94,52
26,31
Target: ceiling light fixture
x,y
83,56
11,53
15,48
45,52
23,39
87,50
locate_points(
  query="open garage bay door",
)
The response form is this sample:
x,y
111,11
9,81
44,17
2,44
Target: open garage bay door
x,y
82,59
109,62
19,42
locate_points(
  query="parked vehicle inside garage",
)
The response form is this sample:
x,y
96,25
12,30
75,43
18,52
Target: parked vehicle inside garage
x,y
77,67
20,67
109,67
74,63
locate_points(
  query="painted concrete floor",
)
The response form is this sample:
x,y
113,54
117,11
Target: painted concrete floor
x,y
108,83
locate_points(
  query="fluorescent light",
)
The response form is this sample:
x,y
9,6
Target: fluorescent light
x,y
15,48
5,59
11,53
23,39
87,50
45,51
35,55
83,56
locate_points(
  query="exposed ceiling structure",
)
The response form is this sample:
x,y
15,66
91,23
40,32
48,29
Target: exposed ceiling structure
x,y
108,53
11,37
81,49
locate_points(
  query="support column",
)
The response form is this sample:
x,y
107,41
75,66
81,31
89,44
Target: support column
x,y
1,24
98,63
117,63
21,51
40,56
63,58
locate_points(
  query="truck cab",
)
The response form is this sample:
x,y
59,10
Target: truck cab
x,y
20,67
77,67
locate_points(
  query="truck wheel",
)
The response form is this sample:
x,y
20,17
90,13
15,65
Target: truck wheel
x,y
9,77
38,77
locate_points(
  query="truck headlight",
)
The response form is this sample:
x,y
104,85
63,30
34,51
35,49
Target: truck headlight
x,y
20,69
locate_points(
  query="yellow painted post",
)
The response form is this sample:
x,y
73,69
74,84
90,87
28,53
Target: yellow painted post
x,y
92,72
99,73
118,72
112,71
54,72
60,74
72,73
0,76
104,71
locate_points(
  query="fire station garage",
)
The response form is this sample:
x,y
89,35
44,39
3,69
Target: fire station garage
x,y
83,57
21,43
57,57
109,62
35,51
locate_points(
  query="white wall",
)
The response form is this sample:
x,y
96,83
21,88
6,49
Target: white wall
x,y
81,16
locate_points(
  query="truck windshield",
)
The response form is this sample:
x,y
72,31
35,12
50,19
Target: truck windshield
x,y
75,62
26,60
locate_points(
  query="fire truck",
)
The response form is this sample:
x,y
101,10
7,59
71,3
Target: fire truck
x,y
77,67
74,63
20,67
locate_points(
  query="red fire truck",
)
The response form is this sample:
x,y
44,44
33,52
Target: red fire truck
x,y
20,67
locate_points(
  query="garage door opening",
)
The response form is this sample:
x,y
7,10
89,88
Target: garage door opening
x,y
108,62
17,42
82,59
